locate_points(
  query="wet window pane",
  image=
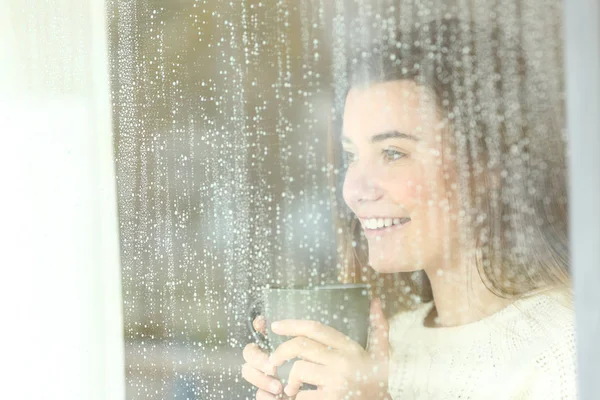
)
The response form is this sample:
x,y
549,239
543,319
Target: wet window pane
x,y
449,187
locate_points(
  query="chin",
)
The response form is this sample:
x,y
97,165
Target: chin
x,y
390,265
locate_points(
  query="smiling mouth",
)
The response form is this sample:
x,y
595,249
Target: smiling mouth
x,y
398,223
381,223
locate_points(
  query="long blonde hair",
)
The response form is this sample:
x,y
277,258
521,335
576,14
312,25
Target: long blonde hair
x,y
514,194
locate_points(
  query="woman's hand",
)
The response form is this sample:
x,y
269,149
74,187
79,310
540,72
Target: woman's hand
x,y
339,367
257,369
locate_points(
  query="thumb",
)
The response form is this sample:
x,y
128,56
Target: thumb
x,y
379,343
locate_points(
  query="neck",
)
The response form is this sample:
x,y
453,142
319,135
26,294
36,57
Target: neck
x,y
460,296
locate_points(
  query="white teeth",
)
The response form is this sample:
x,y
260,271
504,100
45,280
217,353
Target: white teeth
x,y
372,223
377,223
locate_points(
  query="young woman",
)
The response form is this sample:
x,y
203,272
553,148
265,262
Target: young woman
x,y
455,176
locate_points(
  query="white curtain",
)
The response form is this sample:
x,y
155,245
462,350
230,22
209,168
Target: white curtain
x,y
61,299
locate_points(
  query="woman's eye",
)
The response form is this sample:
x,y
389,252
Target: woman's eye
x,y
348,157
389,154
393,155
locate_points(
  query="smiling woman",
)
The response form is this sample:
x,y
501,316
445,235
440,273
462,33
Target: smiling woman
x,y
379,187
451,193
481,259
383,223
482,180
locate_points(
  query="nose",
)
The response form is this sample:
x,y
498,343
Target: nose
x,y
360,186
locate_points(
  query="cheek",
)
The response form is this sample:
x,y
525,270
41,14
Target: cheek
x,y
408,189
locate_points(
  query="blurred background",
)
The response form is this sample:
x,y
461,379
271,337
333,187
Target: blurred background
x,y
220,117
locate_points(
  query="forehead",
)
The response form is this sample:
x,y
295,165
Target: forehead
x,y
396,105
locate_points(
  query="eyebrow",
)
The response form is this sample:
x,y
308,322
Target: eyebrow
x,y
380,137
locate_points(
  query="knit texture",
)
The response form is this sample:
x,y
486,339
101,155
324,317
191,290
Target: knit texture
x,y
524,351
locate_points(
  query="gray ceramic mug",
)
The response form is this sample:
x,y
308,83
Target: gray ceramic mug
x,y
344,307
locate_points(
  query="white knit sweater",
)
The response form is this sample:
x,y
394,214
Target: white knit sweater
x,y
524,351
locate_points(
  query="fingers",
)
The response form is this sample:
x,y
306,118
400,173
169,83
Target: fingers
x,y
260,325
259,372
305,372
304,348
258,359
260,380
317,332
262,395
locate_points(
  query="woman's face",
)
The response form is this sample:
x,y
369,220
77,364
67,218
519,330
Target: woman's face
x,y
392,138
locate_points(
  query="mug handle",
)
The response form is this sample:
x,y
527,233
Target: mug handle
x,y
262,341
